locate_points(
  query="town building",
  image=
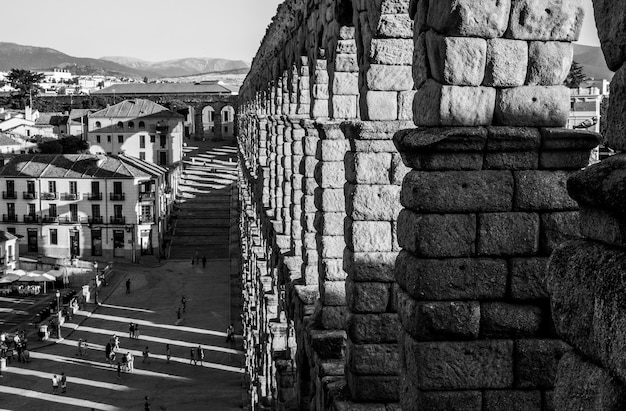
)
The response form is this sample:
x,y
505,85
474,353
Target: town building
x,y
586,111
9,252
77,122
85,206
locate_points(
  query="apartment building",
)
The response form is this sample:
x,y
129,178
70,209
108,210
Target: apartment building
x,y
83,205
9,253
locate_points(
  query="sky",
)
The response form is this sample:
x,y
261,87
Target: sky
x,y
155,30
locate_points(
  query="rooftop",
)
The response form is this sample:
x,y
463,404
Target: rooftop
x,y
136,108
204,87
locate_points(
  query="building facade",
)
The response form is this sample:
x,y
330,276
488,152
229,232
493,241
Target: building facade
x,y
9,252
85,206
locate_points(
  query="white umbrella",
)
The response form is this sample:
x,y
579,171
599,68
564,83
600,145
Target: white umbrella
x,y
9,278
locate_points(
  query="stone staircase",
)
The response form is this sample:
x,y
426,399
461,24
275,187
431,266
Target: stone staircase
x,y
203,216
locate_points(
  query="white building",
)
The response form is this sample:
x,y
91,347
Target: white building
x,y
585,110
87,206
9,252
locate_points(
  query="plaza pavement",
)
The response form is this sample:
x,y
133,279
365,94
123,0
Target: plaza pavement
x,y
156,292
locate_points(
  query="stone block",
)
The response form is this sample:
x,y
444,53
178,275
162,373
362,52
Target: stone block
x,y
332,318
372,359
421,65
405,105
581,385
369,236
512,400
398,170
373,328
320,92
389,78
448,400
344,106
457,191
451,279
437,235
549,62
367,297
333,293
458,61
330,174
329,223
534,106
506,63
328,344
332,270
557,228
562,139
332,247
441,105
610,195
604,226
615,115
508,234
563,160
371,168
391,51
310,146
346,63
542,20
370,266
374,203
514,160
434,321
609,16
373,388
333,150
346,83
380,105
347,46
537,361
528,278
394,25
319,109
330,200
542,190
503,320
468,19
463,365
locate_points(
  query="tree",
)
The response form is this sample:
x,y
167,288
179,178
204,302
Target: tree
x,y
26,82
576,75
67,145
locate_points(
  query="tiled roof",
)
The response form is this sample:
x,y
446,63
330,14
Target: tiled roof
x,y
6,140
211,87
6,236
53,119
134,109
75,166
77,113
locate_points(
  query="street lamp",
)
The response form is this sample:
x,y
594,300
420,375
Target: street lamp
x,y
58,295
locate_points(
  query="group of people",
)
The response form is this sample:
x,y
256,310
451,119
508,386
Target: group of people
x,y
59,381
196,260
196,355
133,331
18,345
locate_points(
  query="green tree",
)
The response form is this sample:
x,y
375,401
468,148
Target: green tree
x,y
67,145
27,84
576,75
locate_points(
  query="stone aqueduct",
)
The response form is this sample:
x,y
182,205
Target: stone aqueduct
x,y
404,179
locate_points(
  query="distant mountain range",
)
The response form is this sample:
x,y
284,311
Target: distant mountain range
x,y
41,58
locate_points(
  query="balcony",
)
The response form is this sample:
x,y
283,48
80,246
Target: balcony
x,y
117,197
117,220
70,196
50,219
72,219
49,196
29,195
94,196
9,195
29,218
96,220
147,196
9,218
146,219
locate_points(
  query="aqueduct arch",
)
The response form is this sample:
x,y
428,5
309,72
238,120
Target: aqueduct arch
x,y
402,185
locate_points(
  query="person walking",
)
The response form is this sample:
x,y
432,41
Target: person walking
x,y
131,330
80,347
178,313
107,351
192,355
146,404
204,261
119,370
168,352
128,286
116,342
63,383
130,361
136,331
200,354
183,303
230,333
146,355
55,384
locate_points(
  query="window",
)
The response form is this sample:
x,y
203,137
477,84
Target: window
x,y
226,129
142,124
142,156
54,239
52,186
74,212
108,139
225,113
117,211
98,139
117,187
73,187
120,139
53,210
31,210
95,210
142,141
98,124
11,209
120,125
131,124
30,187
152,139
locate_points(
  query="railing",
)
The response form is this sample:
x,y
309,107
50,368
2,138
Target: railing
x,y
49,196
146,219
29,195
29,218
9,195
96,220
94,196
117,220
50,219
147,196
12,218
72,219
70,196
117,196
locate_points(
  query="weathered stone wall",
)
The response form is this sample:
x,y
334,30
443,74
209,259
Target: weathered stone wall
x,y
586,277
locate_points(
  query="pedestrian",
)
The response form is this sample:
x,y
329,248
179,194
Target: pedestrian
x,y
146,355
130,361
192,357
116,342
183,302
107,351
178,313
136,331
203,261
119,370
131,330
168,352
146,405
193,260
200,354
80,347
128,286
63,383
230,333
55,384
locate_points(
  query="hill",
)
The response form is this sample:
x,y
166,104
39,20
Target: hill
x,y
181,67
592,60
